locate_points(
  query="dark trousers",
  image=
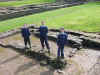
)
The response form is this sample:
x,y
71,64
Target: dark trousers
x,y
44,41
27,41
60,51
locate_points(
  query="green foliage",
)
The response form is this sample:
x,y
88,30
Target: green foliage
x,y
83,18
24,2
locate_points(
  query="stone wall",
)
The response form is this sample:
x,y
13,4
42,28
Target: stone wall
x,y
76,39
13,12
93,0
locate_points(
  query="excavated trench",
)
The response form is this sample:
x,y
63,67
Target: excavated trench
x,y
12,53
43,60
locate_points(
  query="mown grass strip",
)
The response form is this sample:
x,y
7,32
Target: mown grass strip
x,y
83,18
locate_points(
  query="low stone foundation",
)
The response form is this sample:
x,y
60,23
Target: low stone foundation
x,y
75,39
14,12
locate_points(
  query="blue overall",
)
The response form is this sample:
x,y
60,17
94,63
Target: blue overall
x,y
43,36
61,41
26,35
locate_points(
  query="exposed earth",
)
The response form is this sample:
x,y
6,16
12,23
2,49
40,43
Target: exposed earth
x,y
14,62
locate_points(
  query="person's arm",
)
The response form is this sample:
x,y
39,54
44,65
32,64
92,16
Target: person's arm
x,y
47,29
66,39
29,32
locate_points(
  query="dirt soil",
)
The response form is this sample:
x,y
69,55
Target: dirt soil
x,y
12,62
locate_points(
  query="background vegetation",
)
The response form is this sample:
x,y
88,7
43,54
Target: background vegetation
x,y
83,18
24,2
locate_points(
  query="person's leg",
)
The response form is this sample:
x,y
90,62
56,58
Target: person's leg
x,y
25,42
58,52
47,44
62,52
42,42
28,39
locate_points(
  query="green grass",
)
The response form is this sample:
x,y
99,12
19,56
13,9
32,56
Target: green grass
x,y
24,2
83,18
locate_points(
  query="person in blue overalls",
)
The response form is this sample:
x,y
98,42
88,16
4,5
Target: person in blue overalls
x,y
43,36
26,35
61,41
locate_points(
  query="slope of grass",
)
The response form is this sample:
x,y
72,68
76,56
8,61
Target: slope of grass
x,y
83,18
24,2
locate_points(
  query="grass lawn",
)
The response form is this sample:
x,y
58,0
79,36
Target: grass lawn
x,y
83,18
24,2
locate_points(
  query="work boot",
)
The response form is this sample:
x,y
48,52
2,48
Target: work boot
x,y
58,57
49,51
25,47
62,57
42,50
30,47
